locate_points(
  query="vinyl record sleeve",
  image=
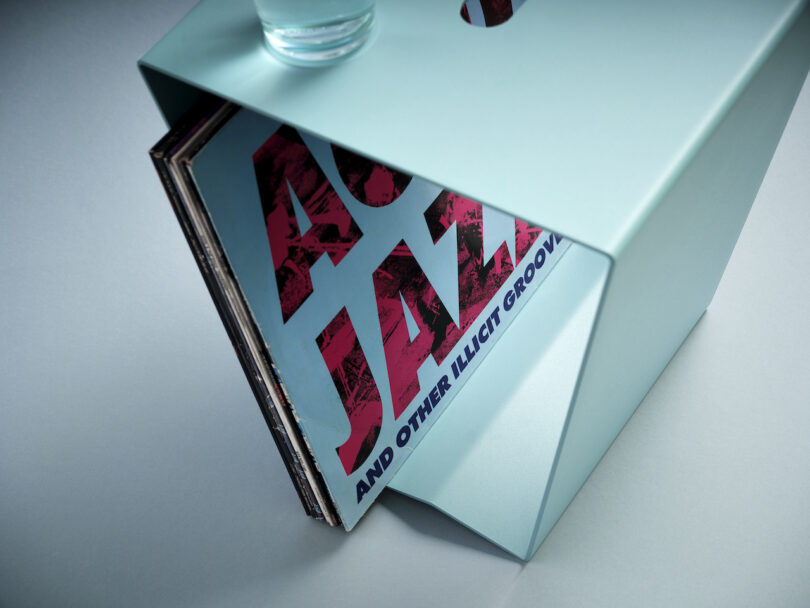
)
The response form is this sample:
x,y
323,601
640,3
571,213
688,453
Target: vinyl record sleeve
x,y
372,295
170,157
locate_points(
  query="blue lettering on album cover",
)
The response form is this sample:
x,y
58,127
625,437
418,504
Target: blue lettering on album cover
x,y
374,472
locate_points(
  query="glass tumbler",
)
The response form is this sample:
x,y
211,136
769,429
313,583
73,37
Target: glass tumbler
x,y
315,32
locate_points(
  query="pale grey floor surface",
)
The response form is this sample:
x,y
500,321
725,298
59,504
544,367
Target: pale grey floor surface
x,y
135,468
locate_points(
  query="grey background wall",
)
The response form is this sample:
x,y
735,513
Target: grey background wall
x,y
135,468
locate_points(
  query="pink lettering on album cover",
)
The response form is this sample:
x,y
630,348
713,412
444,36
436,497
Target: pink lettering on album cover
x,y
284,159
525,236
400,273
284,168
355,384
478,280
370,182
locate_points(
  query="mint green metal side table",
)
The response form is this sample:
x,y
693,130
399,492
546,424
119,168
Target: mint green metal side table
x,y
640,130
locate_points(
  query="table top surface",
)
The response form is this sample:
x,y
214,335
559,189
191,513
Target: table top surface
x,y
540,117
135,467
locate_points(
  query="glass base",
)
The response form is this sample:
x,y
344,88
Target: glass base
x,y
318,45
